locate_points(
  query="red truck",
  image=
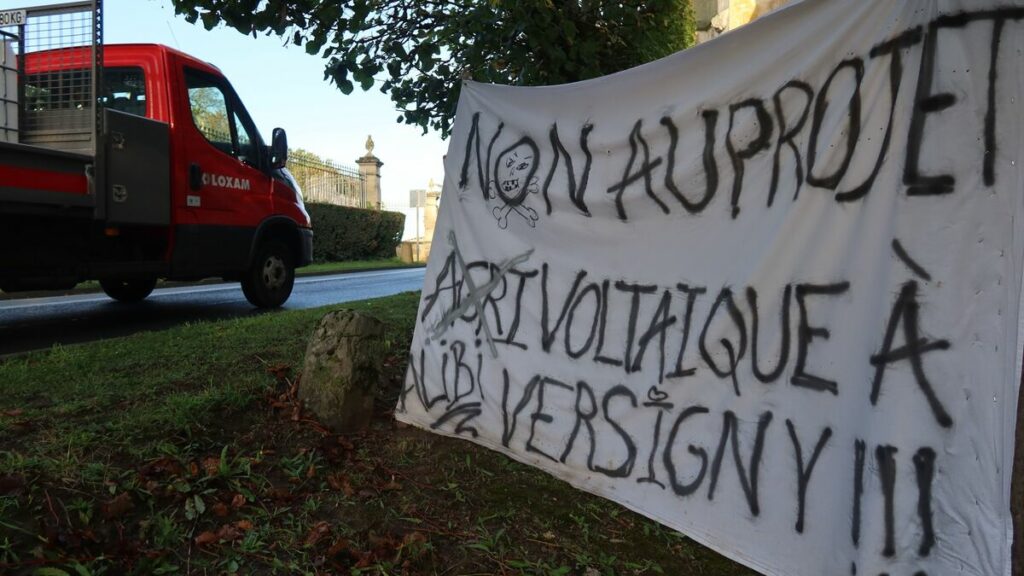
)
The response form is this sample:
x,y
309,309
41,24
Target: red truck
x,y
139,162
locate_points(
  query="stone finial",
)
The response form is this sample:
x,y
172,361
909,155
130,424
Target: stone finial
x,y
369,145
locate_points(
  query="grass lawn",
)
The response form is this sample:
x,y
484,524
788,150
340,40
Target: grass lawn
x,y
185,452
353,266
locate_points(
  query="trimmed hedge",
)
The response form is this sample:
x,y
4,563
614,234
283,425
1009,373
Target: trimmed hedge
x,y
341,233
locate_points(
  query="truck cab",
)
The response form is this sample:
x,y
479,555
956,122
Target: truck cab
x,y
179,183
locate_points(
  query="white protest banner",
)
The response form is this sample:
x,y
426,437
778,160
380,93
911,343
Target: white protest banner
x,y
765,291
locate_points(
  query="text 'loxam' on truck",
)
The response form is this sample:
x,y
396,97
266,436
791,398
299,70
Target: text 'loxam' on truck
x,y
131,163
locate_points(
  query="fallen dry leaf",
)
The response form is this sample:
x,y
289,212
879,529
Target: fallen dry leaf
x,y
279,371
244,525
220,509
413,541
414,538
211,465
238,501
119,506
14,413
318,531
341,483
338,547
161,466
281,494
229,533
366,559
206,538
386,542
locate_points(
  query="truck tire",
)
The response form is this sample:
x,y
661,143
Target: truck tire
x,y
268,282
134,290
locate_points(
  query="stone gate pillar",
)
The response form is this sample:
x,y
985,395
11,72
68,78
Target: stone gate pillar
x,y
369,169
430,210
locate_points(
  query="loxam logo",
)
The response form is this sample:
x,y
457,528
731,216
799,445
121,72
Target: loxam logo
x,y
222,181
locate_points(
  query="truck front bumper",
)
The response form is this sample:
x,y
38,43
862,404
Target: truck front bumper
x,y
306,256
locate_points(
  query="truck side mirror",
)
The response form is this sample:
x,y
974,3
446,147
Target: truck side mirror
x,y
279,149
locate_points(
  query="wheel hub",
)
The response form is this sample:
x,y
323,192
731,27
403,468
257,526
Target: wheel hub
x,y
274,272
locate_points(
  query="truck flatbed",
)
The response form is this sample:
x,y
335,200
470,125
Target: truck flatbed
x,y
39,179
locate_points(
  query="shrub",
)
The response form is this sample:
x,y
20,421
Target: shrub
x,y
341,233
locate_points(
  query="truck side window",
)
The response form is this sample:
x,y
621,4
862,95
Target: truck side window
x,y
220,118
210,114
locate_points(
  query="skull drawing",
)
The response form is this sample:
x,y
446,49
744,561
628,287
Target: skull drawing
x,y
514,177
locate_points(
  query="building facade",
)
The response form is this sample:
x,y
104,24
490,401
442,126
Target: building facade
x,y
715,17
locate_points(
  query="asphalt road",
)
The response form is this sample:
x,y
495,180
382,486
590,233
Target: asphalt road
x,y
35,323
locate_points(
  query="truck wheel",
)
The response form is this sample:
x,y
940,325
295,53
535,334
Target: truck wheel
x,y
269,280
134,290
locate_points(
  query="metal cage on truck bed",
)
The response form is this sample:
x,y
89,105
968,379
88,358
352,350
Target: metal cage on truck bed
x,y
58,59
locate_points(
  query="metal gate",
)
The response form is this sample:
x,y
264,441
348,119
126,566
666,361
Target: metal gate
x,y
59,55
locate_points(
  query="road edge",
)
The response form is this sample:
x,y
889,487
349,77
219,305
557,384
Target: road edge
x,y
178,284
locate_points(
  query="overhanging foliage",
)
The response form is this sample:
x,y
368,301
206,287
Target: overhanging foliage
x,y
419,51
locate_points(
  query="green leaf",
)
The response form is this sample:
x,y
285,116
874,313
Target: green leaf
x,y
223,467
210,20
81,570
49,571
314,46
194,507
